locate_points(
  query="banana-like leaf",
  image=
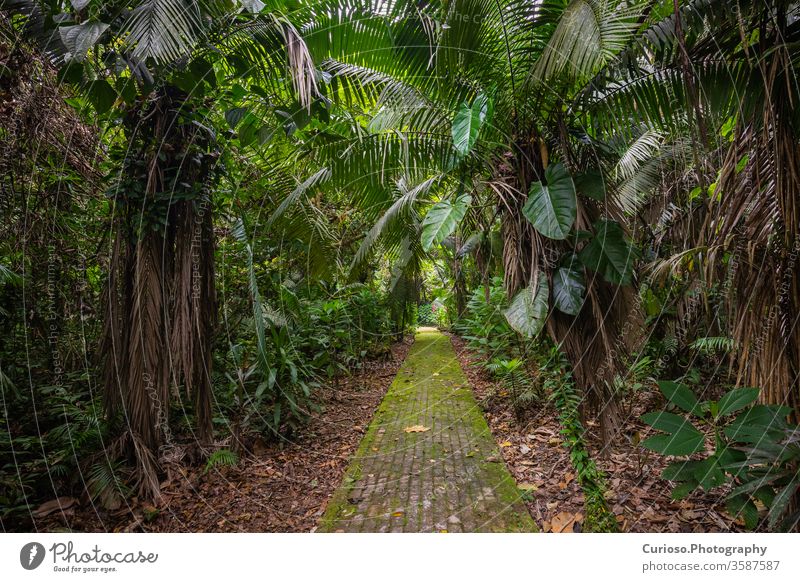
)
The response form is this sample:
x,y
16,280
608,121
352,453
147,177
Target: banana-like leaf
x,y
528,310
442,219
467,123
552,208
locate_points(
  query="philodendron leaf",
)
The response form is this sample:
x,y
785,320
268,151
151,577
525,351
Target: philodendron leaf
x,y
590,183
568,290
79,38
609,254
528,310
467,123
552,208
735,400
442,219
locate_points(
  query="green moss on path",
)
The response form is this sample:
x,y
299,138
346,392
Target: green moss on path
x,y
449,477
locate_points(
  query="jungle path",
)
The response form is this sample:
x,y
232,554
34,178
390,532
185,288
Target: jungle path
x,y
428,462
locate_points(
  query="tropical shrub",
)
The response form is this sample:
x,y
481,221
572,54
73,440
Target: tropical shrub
x,y
484,325
425,315
749,448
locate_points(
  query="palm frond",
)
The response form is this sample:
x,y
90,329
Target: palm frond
x,y
164,30
589,34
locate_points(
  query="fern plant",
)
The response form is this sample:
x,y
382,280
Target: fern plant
x,y
713,345
517,382
221,458
567,400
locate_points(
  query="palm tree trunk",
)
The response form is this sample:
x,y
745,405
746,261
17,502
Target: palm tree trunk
x,y
161,298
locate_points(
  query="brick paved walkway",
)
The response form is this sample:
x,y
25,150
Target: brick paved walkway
x,y
448,477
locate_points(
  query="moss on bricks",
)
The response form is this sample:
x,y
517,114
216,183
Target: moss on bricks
x,y
396,471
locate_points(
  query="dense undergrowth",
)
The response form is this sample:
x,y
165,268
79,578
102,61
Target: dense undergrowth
x,y
751,457
211,215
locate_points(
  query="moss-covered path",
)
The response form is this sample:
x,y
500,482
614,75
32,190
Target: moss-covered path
x,y
428,461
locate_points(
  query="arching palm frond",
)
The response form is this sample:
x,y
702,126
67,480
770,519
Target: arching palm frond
x,y
164,30
589,34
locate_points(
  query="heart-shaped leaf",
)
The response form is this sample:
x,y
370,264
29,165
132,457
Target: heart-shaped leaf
x,y
442,219
528,310
552,208
568,290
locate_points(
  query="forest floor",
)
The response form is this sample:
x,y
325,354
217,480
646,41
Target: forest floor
x,y
534,452
276,487
428,462
432,423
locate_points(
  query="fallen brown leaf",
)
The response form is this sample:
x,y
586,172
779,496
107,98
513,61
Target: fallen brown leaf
x,y
417,428
565,521
58,504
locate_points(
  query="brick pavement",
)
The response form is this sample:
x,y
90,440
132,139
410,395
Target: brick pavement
x,y
447,477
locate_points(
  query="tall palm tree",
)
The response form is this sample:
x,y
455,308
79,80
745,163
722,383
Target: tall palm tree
x,y
743,171
150,69
469,103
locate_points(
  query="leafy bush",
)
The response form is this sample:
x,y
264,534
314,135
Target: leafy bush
x,y
515,379
485,327
754,449
425,315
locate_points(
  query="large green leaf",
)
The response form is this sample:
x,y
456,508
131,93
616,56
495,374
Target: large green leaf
x,y
591,184
552,208
685,441
735,400
467,123
528,310
680,471
665,421
80,38
102,95
680,395
568,290
759,423
442,219
609,254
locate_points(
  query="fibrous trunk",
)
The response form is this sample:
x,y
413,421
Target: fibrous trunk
x,y
160,299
